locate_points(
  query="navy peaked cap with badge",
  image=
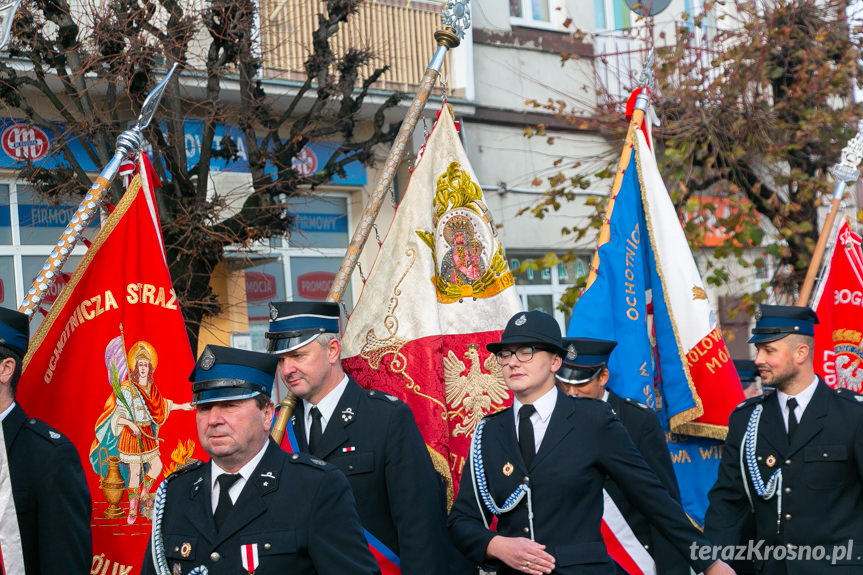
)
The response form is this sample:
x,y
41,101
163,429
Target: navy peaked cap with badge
x,y
293,324
746,370
225,373
585,357
14,329
531,328
773,322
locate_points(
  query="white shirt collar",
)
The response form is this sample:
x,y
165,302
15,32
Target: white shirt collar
x,y
544,405
326,406
803,398
605,395
245,473
7,411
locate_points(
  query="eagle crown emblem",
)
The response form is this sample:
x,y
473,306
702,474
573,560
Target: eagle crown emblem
x,y
758,313
521,320
571,353
274,313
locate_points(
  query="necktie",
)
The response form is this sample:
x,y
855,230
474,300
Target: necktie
x,y
792,419
223,507
316,431
526,440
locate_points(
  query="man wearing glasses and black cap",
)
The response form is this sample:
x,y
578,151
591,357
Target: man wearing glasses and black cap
x,y
793,459
252,508
584,373
540,466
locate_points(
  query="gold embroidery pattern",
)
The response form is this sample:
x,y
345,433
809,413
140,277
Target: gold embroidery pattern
x,y
376,348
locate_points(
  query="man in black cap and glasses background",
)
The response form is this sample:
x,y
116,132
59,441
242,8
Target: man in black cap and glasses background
x,y
252,508
793,459
584,373
540,466
370,435
51,497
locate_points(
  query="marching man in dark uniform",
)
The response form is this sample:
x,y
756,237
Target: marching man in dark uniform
x,y
584,373
51,497
793,459
252,508
540,467
371,436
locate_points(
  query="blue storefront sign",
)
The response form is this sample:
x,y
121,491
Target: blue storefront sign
x,y
20,142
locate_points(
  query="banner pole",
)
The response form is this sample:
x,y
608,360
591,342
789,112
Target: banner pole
x,y
129,143
455,19
845,172
638,113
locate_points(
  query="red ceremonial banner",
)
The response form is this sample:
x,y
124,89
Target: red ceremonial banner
x,y
839,305
109,368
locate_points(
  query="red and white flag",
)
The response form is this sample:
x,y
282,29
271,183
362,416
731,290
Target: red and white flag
x,y
838,303
440,289
113,354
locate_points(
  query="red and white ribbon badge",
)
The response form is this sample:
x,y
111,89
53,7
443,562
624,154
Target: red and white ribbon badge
x,y
249,553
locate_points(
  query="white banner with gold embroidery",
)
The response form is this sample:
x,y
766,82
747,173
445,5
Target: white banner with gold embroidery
x,y
440,290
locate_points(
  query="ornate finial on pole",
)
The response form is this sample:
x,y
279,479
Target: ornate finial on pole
x,y
646,79
845,172
128,144
456,15
7,16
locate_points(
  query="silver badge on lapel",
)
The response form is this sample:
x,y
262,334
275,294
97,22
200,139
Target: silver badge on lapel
x,y
208,359
348,415
521,320
571,352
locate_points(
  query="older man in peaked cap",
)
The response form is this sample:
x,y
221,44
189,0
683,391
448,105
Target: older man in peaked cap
x,y
370,435
793,459
539,466
252,508
51,497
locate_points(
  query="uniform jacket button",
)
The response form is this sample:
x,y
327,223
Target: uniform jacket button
x,y
787,517
267,546
214,556
526,529
787,462
350,467
787,490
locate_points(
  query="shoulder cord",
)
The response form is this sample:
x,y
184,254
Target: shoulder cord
x,y
157,544
774,484
480,485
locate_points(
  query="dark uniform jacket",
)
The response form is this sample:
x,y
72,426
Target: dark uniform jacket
x,y
822,483
297,509
373,438
643,427
51,497
583,444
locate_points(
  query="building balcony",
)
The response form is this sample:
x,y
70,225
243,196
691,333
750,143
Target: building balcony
x,y
398,33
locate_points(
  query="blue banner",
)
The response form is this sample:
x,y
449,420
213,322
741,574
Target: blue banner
x,y
626,304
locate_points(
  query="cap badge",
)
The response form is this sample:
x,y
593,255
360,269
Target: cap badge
x,y
758,313
185,549
571,353
521,320
274,313
771,461
508,469
208,359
